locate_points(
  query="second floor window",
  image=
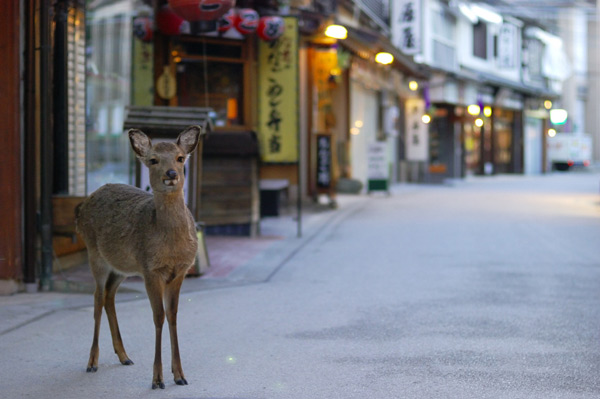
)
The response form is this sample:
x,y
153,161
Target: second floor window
x,y
480,40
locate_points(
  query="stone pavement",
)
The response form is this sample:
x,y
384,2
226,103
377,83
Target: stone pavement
x,y
234,261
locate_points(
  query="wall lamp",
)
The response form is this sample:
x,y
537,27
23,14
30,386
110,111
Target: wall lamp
x,y
384,58
336,32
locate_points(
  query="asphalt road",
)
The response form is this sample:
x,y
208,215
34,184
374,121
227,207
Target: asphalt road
x,y
489,288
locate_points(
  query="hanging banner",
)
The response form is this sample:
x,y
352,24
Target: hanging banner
x,y
406,20
324,161
278,96
417,137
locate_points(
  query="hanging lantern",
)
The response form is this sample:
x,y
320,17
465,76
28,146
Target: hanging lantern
x,y
227,20
201,10
142,28
170,23
270,28
246,21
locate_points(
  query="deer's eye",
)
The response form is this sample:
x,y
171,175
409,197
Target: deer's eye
x,y
153,161
180,159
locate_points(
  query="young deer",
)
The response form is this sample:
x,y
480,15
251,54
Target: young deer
x,y
129,231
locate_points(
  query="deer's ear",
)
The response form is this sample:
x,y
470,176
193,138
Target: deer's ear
x,y
140,143
188,139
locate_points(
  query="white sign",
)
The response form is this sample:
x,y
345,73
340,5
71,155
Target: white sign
x,y
406,25
507,46
417,135
377,161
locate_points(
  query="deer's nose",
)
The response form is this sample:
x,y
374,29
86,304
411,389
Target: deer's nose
x,y
171,174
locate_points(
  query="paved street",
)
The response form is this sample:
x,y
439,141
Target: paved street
x,y
487,288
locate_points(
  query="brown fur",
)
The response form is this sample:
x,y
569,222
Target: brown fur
x,y
129,231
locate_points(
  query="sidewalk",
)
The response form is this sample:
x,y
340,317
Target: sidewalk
x,y
235,261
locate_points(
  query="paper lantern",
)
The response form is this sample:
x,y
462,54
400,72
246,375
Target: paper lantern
x,y
246,21
170,23
270,28
201,10
142,28
227,20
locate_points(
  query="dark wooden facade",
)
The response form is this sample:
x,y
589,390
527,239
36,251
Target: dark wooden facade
x,y
10,142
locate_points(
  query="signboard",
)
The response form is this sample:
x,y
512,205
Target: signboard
x,y
417,137
507,39
323,161
278,96
377,167
406,19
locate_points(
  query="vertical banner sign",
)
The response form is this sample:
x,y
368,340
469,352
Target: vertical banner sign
x,y
406,20
377,168
507,38
416,140
323,160
278,96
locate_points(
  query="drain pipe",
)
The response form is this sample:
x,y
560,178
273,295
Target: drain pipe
x,y
46,147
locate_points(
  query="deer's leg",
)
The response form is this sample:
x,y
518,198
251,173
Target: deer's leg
x,y
100,276
172,302
112,284
155,289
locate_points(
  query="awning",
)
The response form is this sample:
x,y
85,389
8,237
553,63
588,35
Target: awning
x,y
366,43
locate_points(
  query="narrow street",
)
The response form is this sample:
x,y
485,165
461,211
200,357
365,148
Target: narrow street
x,y
487,288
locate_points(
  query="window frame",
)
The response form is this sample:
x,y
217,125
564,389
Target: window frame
x,y
247,55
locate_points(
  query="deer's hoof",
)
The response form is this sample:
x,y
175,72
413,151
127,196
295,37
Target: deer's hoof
x,y
127,362
158,384
181,381
92,369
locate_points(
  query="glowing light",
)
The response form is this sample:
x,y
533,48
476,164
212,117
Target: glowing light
x,y
336,32
358,123
558,116
478,122
384,58
413,85
551,132
547,104
355,131
487,111
426,118
473,109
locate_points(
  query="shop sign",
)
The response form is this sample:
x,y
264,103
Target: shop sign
x,y
323,160
278,96
417,137
507,46
406,25
377,167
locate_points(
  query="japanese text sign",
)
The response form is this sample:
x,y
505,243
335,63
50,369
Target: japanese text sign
x,y
278,96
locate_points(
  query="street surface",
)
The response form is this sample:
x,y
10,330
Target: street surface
x,y
488,288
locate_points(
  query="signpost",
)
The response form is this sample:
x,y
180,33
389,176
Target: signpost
x,y
377,172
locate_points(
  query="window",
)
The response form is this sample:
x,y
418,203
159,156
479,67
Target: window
x,y
444,53
108,69
480,40
211,73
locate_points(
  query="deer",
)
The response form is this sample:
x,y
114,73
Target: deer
x,y
129,231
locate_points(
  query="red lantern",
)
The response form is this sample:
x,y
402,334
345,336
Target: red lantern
x,y
201,10
227,20
170,23
246,21
142,28
270,28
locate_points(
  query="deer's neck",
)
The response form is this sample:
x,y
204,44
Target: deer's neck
x,y
171,211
